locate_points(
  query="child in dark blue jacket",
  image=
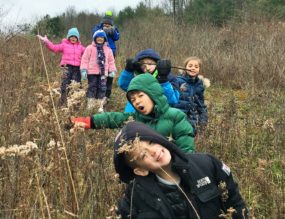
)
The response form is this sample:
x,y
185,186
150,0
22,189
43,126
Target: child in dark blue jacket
x,y
148,61
113,35
192,86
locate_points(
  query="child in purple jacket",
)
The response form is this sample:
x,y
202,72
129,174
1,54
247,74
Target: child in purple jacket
x,y
72,51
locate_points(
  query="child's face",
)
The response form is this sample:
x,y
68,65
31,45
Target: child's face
x,y
142,102
149,65
149,156
107,25
193,68
100,40
73,39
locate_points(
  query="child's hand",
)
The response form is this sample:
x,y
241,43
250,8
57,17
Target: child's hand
x,y
43,39
83,73
112,74
109,30
81,122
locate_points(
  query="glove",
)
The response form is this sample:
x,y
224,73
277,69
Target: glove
x,y
43,39
138,67
130,65
84,122
109,30
83,74
163,67
112,74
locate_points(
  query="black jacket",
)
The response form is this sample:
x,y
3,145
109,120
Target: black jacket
x,y
210,187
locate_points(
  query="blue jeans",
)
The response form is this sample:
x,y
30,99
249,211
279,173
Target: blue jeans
x,y
96,87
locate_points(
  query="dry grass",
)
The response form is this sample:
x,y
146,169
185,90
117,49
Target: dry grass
x,y
246,111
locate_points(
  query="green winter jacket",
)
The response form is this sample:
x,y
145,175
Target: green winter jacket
x,y
170,122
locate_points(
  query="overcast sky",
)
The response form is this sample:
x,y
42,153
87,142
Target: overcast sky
x,y
29,11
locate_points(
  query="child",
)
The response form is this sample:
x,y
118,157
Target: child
x,y
165,183
146,95
97,63
113,35
72,51
192,86
148,61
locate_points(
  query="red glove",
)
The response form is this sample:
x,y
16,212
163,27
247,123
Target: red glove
x,y
84,122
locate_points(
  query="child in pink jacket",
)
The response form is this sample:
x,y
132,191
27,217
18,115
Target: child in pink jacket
x,y
72,51
97,64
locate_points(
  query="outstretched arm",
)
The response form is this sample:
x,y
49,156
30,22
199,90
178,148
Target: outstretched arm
x,y
110,120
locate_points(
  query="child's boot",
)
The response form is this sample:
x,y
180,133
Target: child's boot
x,y
63,100
101,105
105,100
91,103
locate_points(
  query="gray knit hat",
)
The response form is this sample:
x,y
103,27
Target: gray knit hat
x,y
107,20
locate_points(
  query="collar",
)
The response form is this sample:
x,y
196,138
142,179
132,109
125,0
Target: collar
x,y
166,182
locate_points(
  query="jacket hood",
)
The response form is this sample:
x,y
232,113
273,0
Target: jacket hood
x,y
205,82
147,53
127,134
149,85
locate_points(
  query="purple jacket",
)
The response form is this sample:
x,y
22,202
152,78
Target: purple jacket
x,y
71,53
89,60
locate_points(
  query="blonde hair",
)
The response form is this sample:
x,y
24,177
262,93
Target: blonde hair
x,y
190,58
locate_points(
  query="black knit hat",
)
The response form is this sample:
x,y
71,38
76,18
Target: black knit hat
x,y
107,20
128,133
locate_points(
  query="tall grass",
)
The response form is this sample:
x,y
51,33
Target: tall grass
x,y
246,105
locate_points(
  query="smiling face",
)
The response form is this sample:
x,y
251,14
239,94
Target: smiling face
x,y
148,157
73,39
149,65
193,68
142,102
100,40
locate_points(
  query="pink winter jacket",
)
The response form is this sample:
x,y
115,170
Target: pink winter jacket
x,y
89,60
71,53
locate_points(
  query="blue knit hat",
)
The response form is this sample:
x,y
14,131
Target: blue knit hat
x,y
147,53
73,32
100,33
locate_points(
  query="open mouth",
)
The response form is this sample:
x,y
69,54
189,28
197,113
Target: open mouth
x,y
141,108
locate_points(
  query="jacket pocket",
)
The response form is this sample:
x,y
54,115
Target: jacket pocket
x,y
207,194
208,200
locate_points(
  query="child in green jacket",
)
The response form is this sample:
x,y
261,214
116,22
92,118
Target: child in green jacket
x,y
152,109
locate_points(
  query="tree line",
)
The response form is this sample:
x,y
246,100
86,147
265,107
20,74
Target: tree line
x,y
187,12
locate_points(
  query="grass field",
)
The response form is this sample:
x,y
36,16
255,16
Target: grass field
x,y
48,171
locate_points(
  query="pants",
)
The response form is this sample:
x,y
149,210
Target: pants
x,y
109,86
96,87
110,81
70,73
